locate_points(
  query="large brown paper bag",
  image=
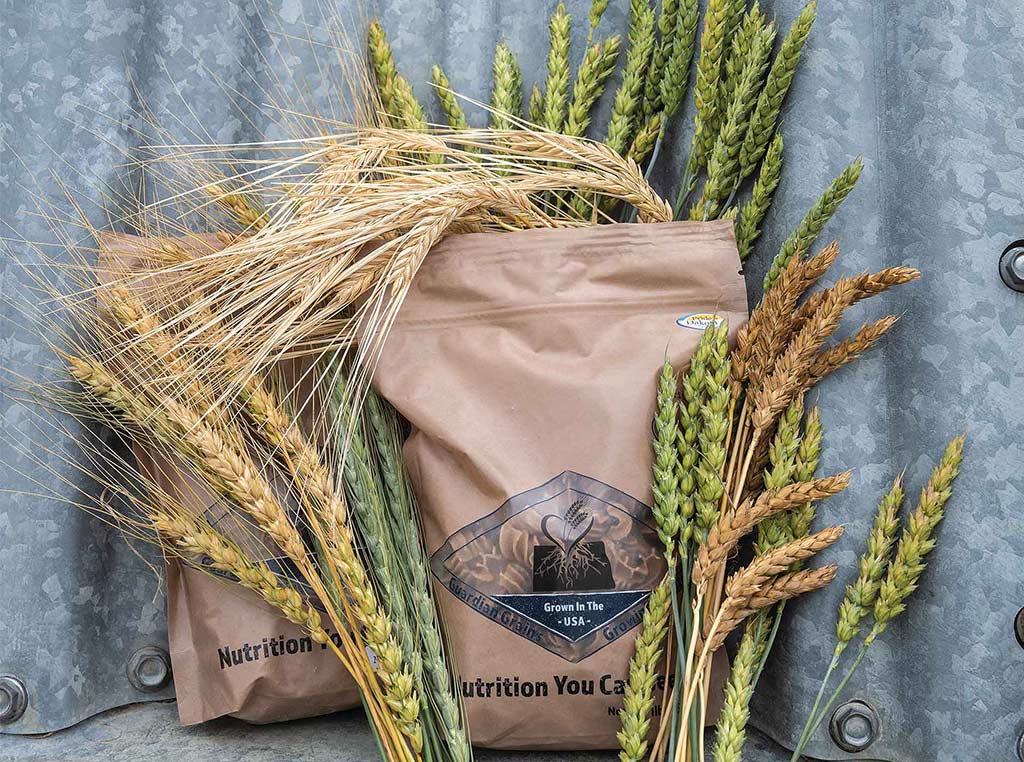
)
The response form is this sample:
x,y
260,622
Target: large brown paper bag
x,y
526,364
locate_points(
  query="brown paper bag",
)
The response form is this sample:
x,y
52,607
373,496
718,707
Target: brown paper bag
x,y
526,364
231,652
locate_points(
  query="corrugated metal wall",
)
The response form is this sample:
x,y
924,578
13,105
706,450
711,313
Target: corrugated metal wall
x,y
928,92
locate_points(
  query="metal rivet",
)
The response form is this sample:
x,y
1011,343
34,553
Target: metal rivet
x,y
149,669
13,698
854,726
1011,265
1020,747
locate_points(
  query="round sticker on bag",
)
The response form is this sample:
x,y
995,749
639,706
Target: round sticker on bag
x,y
698,321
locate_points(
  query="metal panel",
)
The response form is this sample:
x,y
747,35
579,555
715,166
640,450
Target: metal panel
x,y
928,92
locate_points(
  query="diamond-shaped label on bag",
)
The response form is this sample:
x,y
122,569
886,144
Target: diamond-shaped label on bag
x,y
567,565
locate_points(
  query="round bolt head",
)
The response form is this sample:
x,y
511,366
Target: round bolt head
x,y
1020,747
854,726
1011,266
13,698
149,669
1018,627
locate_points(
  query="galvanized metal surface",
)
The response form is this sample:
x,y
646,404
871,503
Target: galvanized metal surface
x,y
928,92
150,732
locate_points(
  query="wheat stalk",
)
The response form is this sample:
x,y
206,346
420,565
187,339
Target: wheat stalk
x,y
190,537
782,456
449,103
713,44
383,62
731,729
535,108
862,594
864,286
638,700
769,103
384,424
917,540
714,426
736,608
752,213
676,73
556,87
507,94
886,597
645,139
628,104
598,64
805,466
815,220
666,507
851,348
790,374
771,325
723,164
597,9
241,206
771,563
749,36
667,21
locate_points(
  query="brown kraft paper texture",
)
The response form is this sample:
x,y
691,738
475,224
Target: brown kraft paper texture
x,y
526,365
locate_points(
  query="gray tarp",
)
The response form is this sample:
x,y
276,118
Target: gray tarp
x,y
928,92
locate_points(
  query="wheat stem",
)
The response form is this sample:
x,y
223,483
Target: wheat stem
x,y
556,88
507,94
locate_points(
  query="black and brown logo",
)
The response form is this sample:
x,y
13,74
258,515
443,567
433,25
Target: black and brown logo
x,y
571,562
568,564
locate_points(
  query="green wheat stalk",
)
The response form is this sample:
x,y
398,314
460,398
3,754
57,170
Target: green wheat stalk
x,y
807,457
666,463
667,20
713,425
782,453
382,60
780,76
743,42
449,103
723,166
638,702
628,104
556,88
918,540
693,398
595,69
731,730
535,108
713,43
383,422
813,223
507,93
805,466
646,138
751,214
676,75
861,595
597,9
362,486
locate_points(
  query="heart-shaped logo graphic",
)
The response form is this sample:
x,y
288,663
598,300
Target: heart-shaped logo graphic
x,y
568,532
